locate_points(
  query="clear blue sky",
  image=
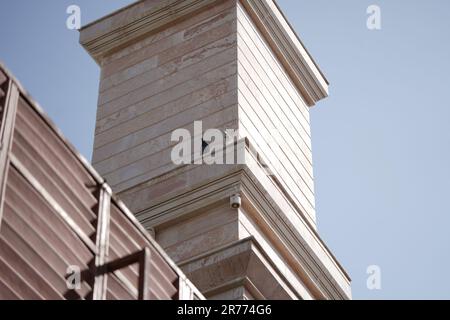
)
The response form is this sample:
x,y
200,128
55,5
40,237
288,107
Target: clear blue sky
x,y
381,140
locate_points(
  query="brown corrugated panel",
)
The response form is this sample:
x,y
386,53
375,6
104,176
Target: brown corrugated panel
x,y
44,155
49,223
3,79
117,290
125,240
134,240
3,90
44,245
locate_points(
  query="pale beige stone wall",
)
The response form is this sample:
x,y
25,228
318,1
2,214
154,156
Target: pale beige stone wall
x,y
208,229
185,73
273,114
248,227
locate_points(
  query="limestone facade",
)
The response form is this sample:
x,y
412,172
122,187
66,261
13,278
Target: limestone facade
x,y
232,64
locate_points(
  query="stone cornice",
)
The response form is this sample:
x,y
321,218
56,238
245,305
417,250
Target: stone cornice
x,y
318,264
289,49
301,241
132,23
245,254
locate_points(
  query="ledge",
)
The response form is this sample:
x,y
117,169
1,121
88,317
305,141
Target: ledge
x,y
131,23
302,244
241,263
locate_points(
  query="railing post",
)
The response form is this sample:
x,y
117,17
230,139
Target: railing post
x,y
144,274
184,290
102,243
7,124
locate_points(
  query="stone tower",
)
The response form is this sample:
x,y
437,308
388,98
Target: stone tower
x,y
241,230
